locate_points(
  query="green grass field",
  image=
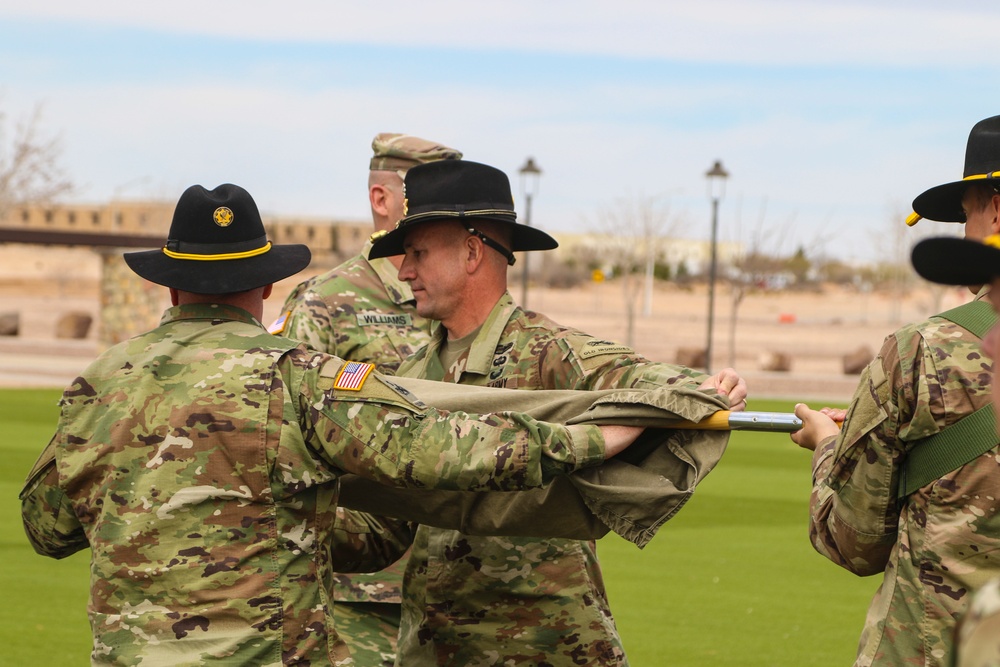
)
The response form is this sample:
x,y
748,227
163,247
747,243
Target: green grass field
x,y
731,580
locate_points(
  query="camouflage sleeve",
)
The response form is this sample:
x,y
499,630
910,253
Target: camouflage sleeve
x,y
379,432
309,321
853,509
49,521
580,361
366,543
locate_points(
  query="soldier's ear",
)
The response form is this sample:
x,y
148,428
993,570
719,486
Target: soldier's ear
x,y
995,204
475,248
378,195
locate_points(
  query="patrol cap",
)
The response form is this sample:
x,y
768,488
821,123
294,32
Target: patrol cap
x,y
465,192
950,260
982,163
399,152
217,245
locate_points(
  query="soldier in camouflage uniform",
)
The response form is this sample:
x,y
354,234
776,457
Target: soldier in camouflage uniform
x,y
936,543
953,261
360,311
199,461
502,600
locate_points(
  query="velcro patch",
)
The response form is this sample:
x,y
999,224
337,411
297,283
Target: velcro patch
x,y
278,325
395,319
352,375
596,348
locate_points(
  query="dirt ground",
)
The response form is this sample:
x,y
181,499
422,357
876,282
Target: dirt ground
x,y
816,329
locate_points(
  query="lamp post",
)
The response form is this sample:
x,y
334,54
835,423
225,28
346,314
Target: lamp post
x,y
716,189
530,174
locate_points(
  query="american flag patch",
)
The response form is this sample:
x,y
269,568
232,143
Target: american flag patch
x,y
279,324
352,375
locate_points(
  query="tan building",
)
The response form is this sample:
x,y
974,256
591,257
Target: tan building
x,y
129,305
694,255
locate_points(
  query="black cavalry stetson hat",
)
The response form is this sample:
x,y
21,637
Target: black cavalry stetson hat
x,y
950,260
982,162
217,245
462,191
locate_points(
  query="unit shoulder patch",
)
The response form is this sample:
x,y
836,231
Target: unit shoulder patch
x,y
277,327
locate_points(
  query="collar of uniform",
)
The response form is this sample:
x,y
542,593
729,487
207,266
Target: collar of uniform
x,y
983,293
484,346
399,291
208,311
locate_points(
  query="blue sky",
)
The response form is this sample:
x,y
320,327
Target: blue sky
x,y
830,116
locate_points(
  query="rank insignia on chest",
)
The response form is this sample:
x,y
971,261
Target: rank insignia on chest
x,y
352,376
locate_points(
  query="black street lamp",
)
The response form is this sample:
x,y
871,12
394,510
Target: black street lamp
x,y
716,189
530,174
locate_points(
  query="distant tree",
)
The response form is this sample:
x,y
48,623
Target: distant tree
x,y
838,272
29,164
893,270
661,271
682,273
799,265
634,227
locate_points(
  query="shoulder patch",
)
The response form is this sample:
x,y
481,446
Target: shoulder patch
x,y
278,326
596,348
352,375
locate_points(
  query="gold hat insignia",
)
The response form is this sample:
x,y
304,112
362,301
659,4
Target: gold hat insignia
x,y
406,206
223,216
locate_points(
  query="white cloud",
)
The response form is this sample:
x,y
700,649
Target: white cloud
x,y
820,152
737,31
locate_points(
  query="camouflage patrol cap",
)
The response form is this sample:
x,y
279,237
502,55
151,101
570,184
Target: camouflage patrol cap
x,y
399,152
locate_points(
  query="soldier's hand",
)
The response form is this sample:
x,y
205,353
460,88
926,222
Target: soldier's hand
x,y
836,414
817,426
618,438
728,383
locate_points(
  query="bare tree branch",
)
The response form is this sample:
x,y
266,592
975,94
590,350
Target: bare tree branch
x,y
29,165
634,227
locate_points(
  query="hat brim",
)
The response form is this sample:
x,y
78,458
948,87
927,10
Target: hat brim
x,y
523,237
955,261
226,276
942,203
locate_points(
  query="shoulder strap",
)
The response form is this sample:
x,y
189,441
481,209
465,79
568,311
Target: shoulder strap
x,y
948,450
969,437
976,316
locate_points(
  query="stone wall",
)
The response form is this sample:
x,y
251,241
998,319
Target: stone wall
x,y
129,304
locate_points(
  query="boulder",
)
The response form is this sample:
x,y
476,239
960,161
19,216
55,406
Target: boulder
x,y
10,324
74,325
855,362
692,357
775,361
